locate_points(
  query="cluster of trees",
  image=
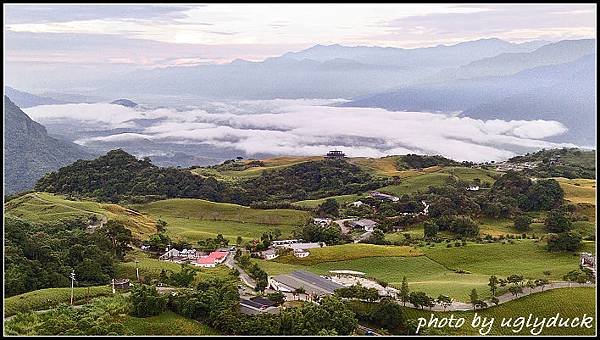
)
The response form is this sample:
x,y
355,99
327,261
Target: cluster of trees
x,y
147,300
254,270
358,291
43,255
119,176
211,244
183,278
265,241
215,302
560,237
311,232
515,192
413,161
385,314
460,225
312,180
100,317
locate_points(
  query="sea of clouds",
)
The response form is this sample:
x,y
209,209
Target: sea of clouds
x,y
306,127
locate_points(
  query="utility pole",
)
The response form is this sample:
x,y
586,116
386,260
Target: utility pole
x,y
72,285
137,270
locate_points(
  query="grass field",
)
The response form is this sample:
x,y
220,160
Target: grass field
x,y
469,174
51,297
416,183
348,252
436,272
341,199
569,302
45,207
167,323
195,219
578,190
269,164
525,257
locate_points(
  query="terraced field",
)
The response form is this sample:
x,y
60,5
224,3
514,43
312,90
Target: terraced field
x,y
51,297
195,219
46,207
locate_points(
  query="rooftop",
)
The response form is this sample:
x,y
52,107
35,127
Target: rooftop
x,y
312,283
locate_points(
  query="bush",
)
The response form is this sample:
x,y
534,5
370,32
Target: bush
x,y
147,301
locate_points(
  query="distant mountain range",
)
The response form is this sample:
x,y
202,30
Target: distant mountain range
x,y
332,71
554,82
29,152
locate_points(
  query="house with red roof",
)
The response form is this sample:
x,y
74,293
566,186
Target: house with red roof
x,y
212,259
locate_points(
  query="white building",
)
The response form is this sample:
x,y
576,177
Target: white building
x,y
357,204
473,188
269,254
170,255
301,253
367,225
323,222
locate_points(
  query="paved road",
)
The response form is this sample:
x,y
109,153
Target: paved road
x,y
246,279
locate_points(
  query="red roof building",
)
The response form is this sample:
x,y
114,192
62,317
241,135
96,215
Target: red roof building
x,y
212,259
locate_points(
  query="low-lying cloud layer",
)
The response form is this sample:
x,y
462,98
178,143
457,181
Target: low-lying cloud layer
x,y
302,127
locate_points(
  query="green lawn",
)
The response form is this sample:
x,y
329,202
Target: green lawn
x,y
341,199
469,174
525,257
167,323
417,183
569,302
51,297
195,219
348,252
45,207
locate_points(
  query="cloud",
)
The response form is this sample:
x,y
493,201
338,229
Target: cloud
x,y
301,127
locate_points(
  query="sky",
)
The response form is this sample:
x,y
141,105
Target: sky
x,y
165,35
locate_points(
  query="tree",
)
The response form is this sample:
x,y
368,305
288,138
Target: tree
x,y
119,236
420,300
493,283
146,300
430,229
569,241
389,315
444,300
330,207
557,222
160,226
544,194
515,290
474,297
404,292
276,297
522,222
495,300
238,241
377,237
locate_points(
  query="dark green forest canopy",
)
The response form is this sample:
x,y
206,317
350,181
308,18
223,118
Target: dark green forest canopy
x,y
119,176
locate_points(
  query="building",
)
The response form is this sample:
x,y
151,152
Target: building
x,y
284,242
473,188
212,259
121,284
381,196
257,305
335,154
188,254
269,254
367,225
357,204
299,245
172,254
323,222
313,285
587,260
301,253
